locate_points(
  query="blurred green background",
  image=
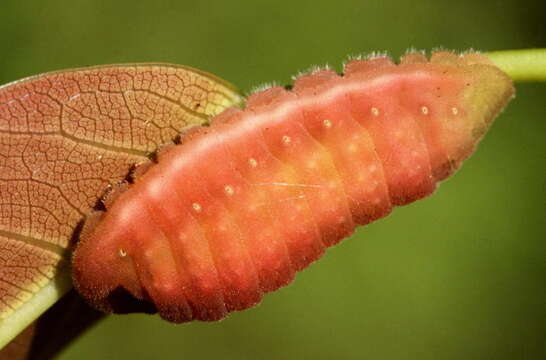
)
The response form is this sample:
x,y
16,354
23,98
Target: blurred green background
x,y
460,275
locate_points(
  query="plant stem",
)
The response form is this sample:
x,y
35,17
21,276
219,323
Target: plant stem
x,y
526,65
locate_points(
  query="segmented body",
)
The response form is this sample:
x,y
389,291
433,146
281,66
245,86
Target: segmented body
x,y
239,207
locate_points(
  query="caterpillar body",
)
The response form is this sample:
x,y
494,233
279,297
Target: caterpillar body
x,y
238,207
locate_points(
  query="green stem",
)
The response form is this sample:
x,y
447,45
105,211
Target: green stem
x,y
524,65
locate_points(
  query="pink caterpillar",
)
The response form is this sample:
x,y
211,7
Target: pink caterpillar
x,y
237,208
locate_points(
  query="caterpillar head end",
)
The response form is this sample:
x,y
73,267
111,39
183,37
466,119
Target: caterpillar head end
x,y
483,92
102,273
488,91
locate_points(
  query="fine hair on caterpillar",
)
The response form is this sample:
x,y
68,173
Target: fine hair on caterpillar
x,y
235,209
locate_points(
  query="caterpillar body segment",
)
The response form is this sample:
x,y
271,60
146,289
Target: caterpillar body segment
x,y
334,126
239,207
289,212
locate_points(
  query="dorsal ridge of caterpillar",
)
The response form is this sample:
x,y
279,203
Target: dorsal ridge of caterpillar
x,y
411,52
238,207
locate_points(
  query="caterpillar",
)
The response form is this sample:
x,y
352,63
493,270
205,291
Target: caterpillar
x,y
237,208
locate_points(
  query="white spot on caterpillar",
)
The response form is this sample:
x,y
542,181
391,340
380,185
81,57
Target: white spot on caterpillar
x,y
196,207
252,162
424,110
122,253
375,111
286,139
327,124
229,190
454,110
